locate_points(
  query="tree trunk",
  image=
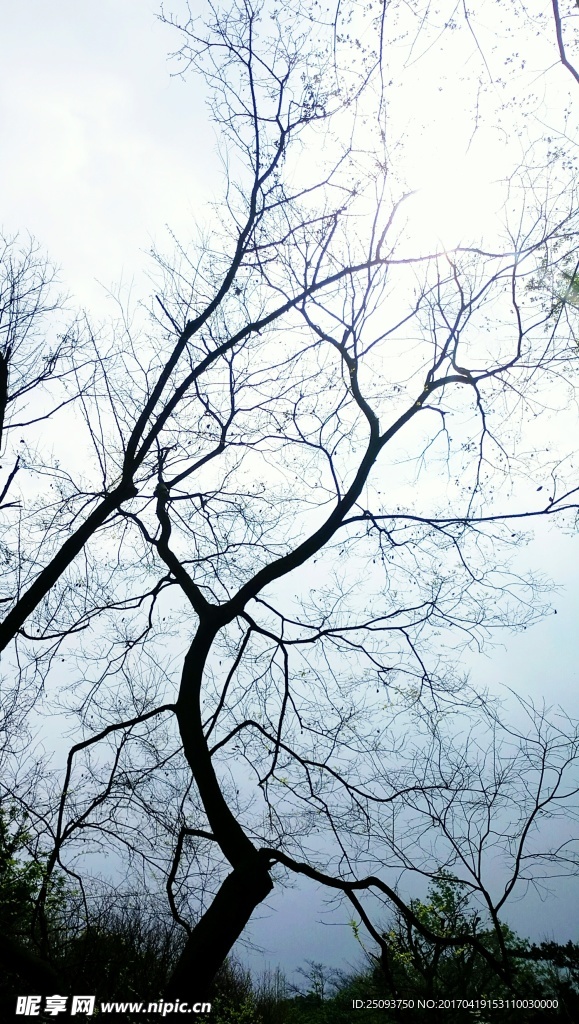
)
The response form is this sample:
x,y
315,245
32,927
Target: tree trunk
x,y
214,935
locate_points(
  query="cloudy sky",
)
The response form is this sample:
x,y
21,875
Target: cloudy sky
x,y
103,149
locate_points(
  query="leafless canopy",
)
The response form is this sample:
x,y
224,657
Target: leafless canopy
x,y
290,508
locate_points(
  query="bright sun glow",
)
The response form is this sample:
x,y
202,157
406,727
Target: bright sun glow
x,y
458,196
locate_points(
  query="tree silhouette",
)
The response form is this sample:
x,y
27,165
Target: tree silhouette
x,y
289,510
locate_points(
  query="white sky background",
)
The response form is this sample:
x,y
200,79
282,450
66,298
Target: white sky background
x,y
101,149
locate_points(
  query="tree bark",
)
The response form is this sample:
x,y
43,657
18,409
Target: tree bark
x,y
249,883
213,936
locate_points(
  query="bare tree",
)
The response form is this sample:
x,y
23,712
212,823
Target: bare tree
x,y
43,370
292,510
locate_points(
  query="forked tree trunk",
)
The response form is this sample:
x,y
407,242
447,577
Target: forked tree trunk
x,y
249,883
213,936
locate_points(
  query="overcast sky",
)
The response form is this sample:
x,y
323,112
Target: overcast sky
x,y
101,149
